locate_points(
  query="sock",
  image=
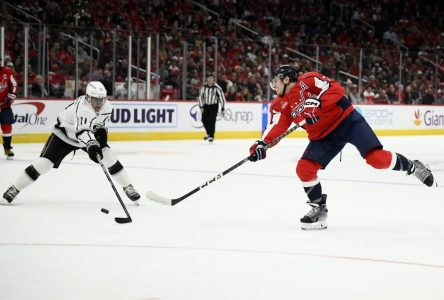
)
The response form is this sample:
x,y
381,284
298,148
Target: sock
x,y
402,163
115,168
32,173
313,190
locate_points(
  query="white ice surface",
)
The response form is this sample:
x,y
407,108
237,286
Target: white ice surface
x,y
239,238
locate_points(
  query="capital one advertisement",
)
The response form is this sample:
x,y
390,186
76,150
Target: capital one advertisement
x,y
38,116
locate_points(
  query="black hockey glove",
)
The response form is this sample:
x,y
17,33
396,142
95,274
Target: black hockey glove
x,y
258,151
93,148
101,135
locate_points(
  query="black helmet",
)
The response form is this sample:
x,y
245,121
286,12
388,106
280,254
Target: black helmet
x,y
284,71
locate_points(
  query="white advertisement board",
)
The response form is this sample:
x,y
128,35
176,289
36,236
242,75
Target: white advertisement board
x,y
403,116
38,116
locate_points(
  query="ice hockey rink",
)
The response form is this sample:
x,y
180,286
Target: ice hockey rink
x,y
238,238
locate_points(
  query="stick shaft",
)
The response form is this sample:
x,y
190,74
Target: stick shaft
x,y
220,175
113,186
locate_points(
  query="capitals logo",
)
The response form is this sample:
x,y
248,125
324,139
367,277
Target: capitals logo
x,y
417,119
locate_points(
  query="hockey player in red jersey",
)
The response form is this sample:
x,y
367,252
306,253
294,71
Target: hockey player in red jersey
x,y
8,86
331,122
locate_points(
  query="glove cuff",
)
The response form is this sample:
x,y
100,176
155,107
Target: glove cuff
x,y
92,143
312,120
261,142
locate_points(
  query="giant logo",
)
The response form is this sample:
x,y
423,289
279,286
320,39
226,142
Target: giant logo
x,y
31,115
417,119
433,119
430,118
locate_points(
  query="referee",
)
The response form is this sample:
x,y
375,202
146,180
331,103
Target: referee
x,y
210,96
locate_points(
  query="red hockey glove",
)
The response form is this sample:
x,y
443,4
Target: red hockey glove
x,y
312,110
258,151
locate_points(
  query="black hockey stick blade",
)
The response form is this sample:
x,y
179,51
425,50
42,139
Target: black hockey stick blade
x,y
123,220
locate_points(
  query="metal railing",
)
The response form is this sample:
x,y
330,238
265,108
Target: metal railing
x,y
182,65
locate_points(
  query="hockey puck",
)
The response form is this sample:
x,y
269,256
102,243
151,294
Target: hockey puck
x,y
104,210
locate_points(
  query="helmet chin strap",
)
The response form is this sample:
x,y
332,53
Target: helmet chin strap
x,y
283,91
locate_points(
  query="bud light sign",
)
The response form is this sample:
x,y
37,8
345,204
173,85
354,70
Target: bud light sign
x,y
143,115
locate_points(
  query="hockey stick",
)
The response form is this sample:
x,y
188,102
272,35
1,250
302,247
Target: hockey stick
x,y
118,220
170,202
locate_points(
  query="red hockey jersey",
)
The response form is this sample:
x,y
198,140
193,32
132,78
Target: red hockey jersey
x,y
8,84
296,106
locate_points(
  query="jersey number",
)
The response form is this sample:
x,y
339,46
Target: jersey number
x,y
82,120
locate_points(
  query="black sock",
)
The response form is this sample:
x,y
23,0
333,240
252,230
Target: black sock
x,y
402,163
314,192
7,142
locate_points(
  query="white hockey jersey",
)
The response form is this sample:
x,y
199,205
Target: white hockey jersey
x,y
78,122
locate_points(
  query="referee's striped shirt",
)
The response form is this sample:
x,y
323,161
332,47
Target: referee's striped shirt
x,y
211,95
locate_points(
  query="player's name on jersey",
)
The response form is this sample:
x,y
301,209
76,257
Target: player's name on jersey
x,y
143,115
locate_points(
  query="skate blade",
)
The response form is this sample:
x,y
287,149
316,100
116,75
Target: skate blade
x,y
321,225
4,202
9,157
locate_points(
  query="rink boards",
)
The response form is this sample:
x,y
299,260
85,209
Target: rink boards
x,y
152,120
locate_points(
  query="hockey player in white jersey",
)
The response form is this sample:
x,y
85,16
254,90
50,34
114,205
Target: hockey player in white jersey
x,y
82,125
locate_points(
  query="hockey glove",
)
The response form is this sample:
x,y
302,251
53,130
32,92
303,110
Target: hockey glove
x,y
93,148
312,110
101,135
8,100
258,151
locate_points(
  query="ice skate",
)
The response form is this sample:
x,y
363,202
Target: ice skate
x,y
9,154
206,137
421,172
131,192
9,195
316,218
211,140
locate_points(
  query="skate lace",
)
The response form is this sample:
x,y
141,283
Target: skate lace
x,y
131,191
313,211
421,172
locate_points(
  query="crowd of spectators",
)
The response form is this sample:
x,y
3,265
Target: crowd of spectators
x,y
386,34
